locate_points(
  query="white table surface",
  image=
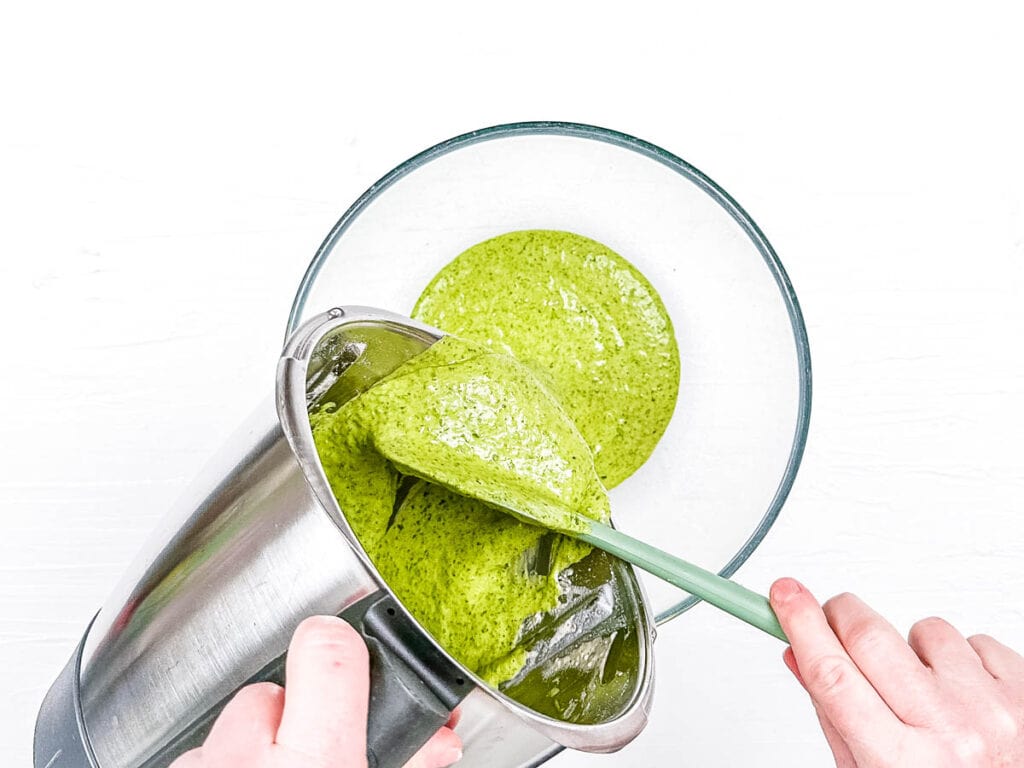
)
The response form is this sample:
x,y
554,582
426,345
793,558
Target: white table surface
x,y
165,179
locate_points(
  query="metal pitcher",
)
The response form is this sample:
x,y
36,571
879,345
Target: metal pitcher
x,y
259,544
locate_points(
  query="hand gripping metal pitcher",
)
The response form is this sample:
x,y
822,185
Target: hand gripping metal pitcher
x,y
261,543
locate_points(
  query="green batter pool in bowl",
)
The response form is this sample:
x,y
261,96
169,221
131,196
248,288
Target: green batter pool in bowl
x,y
569,380
587,323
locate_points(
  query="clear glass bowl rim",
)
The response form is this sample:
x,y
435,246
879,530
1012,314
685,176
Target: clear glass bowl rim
x,y
680,166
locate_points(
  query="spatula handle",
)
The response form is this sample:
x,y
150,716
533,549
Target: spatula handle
x,y
710,587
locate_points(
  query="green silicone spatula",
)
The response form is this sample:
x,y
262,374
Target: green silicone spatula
x,y
722,593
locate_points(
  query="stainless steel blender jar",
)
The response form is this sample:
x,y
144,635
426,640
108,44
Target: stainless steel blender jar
x,y
260,544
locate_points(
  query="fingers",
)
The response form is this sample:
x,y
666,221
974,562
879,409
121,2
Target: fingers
x,y
999,661
443,749
327,692
247,724
790,661
884,658
836,685
840,751
191,759
944,649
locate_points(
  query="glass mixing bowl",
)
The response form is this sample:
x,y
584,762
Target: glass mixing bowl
x,y
721,473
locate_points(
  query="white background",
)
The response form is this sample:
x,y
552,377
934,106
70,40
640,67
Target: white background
x,y
165,178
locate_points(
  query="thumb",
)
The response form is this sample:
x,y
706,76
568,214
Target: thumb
x,y
327,682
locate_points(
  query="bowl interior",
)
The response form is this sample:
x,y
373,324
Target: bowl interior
x,y
721,472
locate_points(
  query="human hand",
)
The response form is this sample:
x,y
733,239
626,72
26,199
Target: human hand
x,y
938,700
319,721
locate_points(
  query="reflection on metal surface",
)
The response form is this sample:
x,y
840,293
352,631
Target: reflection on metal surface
x,y
215,603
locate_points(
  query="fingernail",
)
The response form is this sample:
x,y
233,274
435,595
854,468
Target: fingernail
x,y
785,590
453,756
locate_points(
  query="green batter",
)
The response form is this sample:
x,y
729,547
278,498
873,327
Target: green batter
x,y
570,382
481,428
584,320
